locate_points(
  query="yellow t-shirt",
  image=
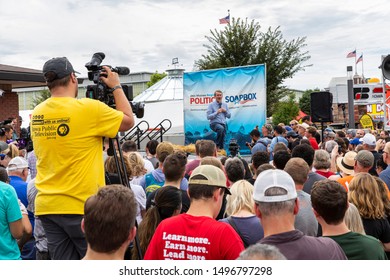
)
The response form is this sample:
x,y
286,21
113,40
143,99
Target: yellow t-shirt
x,y
67,135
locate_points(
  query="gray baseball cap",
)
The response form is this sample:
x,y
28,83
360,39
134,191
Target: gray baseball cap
x,y
365,158
60,66
3,147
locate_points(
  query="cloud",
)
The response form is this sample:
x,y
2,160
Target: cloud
x,y
146,35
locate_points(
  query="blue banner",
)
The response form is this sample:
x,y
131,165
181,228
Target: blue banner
x,y
244,91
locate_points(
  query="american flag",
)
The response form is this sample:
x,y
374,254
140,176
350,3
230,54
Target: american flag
x,y
359,59
351,54
225,20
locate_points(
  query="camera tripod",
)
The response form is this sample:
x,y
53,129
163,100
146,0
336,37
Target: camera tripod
x,y
114,145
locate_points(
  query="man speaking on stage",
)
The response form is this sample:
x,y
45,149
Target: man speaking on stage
x,y
217,112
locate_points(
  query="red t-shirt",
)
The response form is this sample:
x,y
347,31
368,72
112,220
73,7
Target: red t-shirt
x,y
186,237
313,143
191,165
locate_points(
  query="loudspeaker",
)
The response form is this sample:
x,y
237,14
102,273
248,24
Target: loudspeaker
x,y
386,67
321,106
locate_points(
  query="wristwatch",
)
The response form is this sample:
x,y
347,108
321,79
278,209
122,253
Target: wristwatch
x,y
111,90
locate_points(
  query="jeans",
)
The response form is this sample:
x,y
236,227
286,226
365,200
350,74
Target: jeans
x,y
220,129
29,251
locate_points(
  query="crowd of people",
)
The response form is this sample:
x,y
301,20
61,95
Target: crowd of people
x,y
306,203
299,197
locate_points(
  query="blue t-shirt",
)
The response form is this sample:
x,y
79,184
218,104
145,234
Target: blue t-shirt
x,y
385,176
250,228
20,187
260,146
275,140
9,212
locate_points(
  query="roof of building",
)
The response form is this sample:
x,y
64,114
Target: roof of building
x,y
19,77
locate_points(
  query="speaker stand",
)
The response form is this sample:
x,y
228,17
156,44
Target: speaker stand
x,y
344,115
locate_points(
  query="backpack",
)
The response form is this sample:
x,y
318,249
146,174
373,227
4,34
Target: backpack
x,y
151,184
261,142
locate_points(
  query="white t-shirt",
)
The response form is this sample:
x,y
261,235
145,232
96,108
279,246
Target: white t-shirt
x,y
148,166
140,197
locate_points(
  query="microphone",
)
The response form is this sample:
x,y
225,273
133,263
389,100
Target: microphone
x,y
121,70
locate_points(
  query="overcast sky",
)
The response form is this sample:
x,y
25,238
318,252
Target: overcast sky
x,y
146,35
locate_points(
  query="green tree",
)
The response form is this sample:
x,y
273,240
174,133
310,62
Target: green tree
x,y
304,101
236,45
286,111
155,78
242,43
42,96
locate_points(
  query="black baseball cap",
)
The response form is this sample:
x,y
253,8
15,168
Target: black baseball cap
x,y
292,134
60,66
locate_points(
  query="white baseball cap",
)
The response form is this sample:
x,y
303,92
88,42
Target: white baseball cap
x,y
274,178
369,139
17,163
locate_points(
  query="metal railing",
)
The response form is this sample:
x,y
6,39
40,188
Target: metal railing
x,y
142,131
158,131
136,133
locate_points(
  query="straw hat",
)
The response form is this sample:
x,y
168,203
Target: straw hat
x,y
347,162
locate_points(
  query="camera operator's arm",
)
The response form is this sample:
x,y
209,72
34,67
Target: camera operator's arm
x,y
121,102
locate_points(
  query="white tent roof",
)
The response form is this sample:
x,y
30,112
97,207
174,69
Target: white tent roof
x,y
164,100
168,88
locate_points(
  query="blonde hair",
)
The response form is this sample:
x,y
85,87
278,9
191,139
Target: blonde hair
x,y
241,198
298,169
353,220
212,161
13,151
383,190
364,193
110,166
137,164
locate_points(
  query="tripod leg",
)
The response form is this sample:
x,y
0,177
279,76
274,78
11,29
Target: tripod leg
x,y
124,179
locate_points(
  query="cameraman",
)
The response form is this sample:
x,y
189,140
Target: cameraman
x,y
257,144
67,134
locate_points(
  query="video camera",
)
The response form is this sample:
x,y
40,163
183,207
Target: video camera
x,y
234,148
100,92
250,145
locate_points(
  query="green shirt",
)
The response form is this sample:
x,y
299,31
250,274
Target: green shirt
x,y
357,246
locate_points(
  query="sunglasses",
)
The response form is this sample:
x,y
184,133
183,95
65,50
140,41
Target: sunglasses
x,y
2,156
